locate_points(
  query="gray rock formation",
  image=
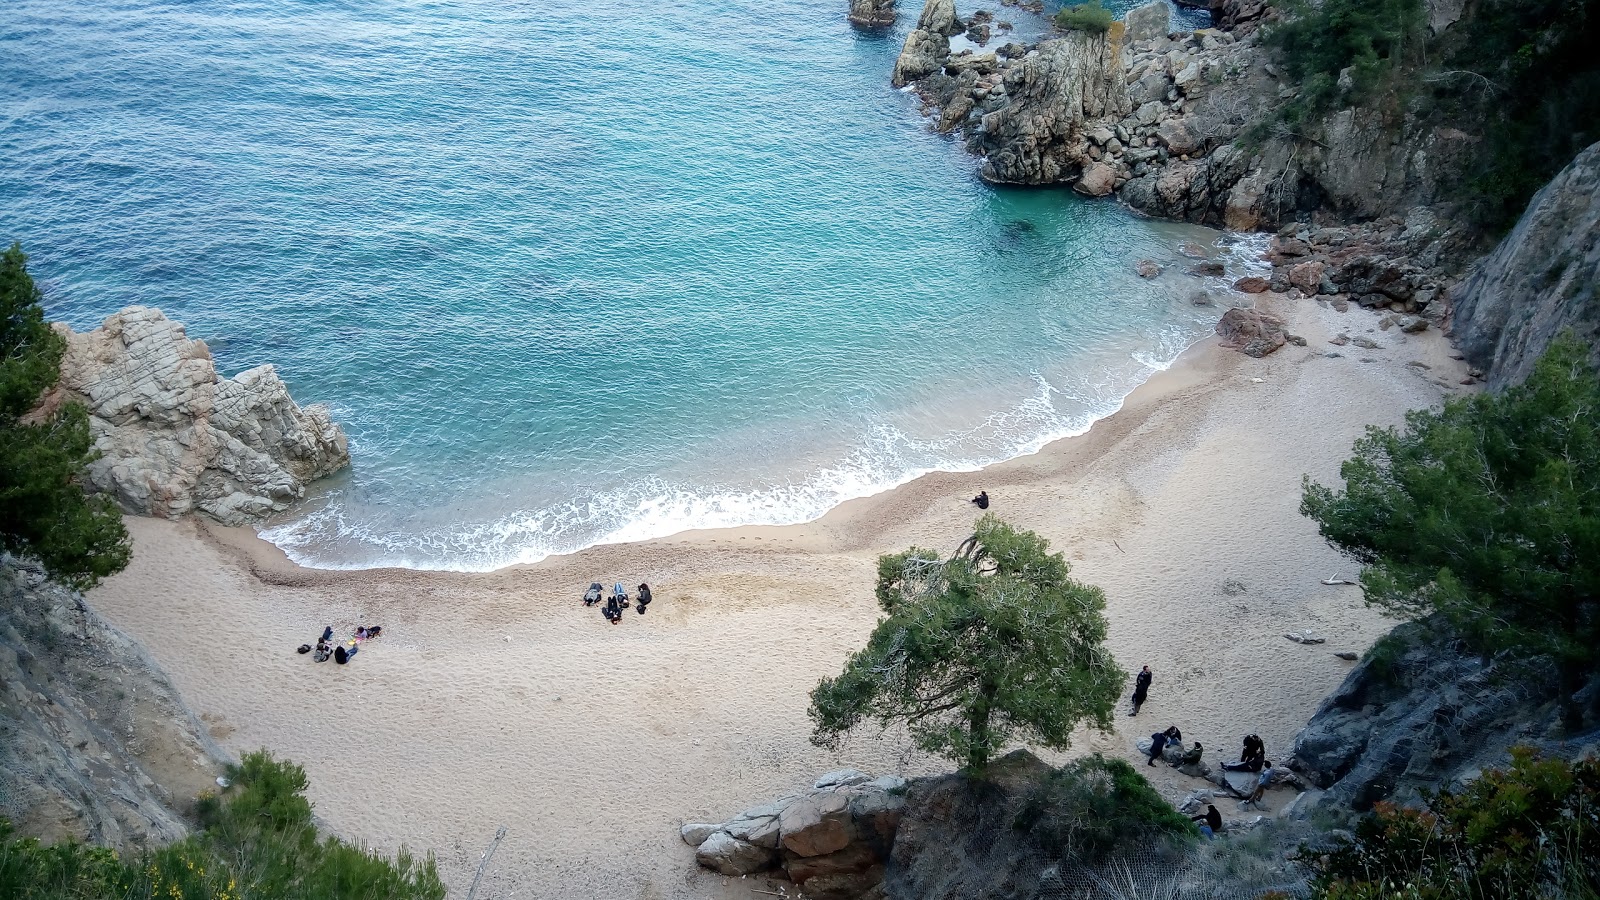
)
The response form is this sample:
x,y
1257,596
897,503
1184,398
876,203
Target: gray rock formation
x,y
1540,280
872,13
1419,713
1148,22
831,840
928,44
175,438
94,743
1038,136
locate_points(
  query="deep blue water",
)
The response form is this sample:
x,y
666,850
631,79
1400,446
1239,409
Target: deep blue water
x,y
570,271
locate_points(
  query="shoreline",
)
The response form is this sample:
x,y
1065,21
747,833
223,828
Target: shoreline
x,y
497,698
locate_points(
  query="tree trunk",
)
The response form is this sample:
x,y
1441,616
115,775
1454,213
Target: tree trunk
x,y
978,729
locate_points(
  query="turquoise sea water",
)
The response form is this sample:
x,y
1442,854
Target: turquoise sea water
x,y
570,272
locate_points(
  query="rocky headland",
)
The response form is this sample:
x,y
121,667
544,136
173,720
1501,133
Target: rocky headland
x,y
174,437
98,746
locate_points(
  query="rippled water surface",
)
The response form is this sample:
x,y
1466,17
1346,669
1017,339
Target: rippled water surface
x,y
570,272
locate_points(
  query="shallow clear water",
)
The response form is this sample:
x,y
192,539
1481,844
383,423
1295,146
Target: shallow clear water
x,y
570,272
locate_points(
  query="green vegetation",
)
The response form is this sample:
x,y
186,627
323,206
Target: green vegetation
x,y
1090,17
258,843
1487,512
1372,38
1093,805
1527,69
1531,831
1521,74
993,641
43,511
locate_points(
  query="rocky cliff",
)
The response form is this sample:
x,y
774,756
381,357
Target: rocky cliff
x,y
1544,277
1420,713
94,742
174,437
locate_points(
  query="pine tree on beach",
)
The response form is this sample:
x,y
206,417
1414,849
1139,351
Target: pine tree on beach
x,y
995,642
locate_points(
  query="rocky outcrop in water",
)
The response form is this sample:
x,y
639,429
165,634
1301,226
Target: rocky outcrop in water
x,y
1037,136
96,744
928,44
872,13
831,841
1543,278
174,437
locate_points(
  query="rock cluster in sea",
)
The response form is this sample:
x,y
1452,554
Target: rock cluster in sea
x,y
174,437
831,841
872,13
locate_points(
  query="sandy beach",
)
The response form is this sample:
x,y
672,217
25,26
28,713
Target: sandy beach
x,y
498,699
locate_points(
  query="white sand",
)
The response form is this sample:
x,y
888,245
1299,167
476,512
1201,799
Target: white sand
x,y
498,699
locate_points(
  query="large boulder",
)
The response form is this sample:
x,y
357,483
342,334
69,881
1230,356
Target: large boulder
x,y
1148,22
816,824
731,856
1098,180
1541,280
1251,332
173,437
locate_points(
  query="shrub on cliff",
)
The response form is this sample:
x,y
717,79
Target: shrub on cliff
x,y
995,641
1530,831
43,511
1094,805
1486,511
1090,17
256,844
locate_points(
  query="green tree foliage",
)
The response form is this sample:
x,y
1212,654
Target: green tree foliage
x,y
1486,511
256,843
1530,831
43,511
1320,40
992,642
1094,805
1532,78
1091,17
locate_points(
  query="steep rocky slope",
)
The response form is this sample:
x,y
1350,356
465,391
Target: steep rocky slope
x,y
1543,278
94,742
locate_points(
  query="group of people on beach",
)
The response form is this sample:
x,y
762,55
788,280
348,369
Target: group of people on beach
x,y
341,651
618,601
1252,757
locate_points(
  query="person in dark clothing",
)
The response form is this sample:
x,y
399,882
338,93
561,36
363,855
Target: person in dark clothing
x,y
339,655
1210,818
1160,740
327,633
644,596
1251,758
1141,689
982,499
1190,756
613,610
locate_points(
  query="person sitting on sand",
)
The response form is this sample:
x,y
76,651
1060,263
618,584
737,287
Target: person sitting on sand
x,y
1141,689
1251,757
1190,756
982,499
644,595
324,650
1210,820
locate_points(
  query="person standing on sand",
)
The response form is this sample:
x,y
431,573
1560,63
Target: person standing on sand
x,y
1141,689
